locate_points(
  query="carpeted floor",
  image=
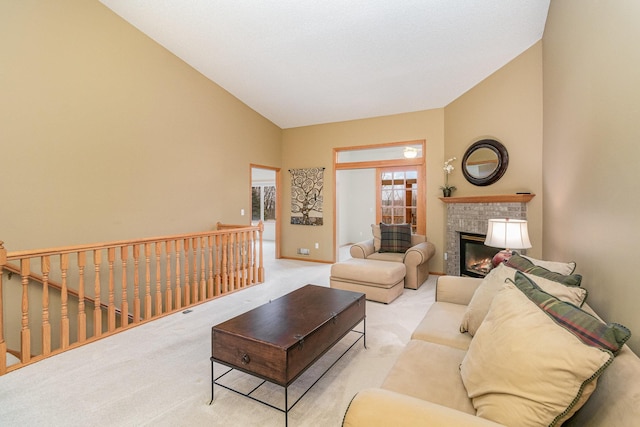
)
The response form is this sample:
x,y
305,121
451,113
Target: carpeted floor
x,y
159,374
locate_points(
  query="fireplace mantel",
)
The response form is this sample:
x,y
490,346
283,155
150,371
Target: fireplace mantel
x,y
496,198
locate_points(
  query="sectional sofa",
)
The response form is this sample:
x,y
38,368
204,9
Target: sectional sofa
x,y
517,348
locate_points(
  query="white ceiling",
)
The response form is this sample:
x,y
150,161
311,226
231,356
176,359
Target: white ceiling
x,y
304,62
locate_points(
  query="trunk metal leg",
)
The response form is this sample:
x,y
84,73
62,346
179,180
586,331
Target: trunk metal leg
x,y
212,380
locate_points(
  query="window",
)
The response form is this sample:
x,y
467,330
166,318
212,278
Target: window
x,y
263,203
398,196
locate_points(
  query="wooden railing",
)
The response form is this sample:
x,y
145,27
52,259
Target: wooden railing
x,y
52,300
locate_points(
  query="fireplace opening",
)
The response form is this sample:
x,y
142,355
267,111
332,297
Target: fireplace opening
x,y
475,257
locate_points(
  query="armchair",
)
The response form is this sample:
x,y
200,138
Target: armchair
x,y
415,259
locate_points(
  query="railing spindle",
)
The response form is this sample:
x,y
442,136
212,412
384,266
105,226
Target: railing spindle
x,y
225,273
210,291
255,260
240,259
158,246
203,282
82,316
187,284
45,266
64,309
136,283
241,262
147,280
25,332
194,281
250,258
111,314
232,260
124,304
97,310
218,281
167,292
178,284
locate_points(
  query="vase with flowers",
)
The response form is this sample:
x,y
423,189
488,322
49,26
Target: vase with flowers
x,y
446,188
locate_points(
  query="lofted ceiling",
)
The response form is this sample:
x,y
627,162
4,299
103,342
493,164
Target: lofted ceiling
x,y
305,62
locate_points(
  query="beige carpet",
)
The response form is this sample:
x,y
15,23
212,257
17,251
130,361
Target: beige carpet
x,y
159,374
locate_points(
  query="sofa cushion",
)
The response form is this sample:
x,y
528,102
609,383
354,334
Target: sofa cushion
x,y
430,372
441,326
494,281
524,264
616,400
383,408
524,367
387,256
395,237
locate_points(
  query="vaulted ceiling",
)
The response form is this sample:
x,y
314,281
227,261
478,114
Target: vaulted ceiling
x,y
305,62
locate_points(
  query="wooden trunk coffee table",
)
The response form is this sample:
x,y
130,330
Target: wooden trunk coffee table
x,y
279,340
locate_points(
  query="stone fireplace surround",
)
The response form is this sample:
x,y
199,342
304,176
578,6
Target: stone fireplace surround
x,y
471,214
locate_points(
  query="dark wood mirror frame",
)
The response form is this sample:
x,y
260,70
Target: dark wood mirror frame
x,y
501,162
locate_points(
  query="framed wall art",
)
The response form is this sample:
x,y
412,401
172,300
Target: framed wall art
x,y
306,196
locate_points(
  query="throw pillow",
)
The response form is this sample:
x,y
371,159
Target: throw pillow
x,y
395,237
525,264
558,267
586,327
525,368
492,283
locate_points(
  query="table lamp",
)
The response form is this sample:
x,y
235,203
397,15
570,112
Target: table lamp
x,y
508,234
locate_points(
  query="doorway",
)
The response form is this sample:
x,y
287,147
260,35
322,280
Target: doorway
x,y
360,191
265,196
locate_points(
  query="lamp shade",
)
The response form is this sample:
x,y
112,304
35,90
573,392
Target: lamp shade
x,y
508,233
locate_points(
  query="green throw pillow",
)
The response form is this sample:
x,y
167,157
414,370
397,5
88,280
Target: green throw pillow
x,y
523,264
395,237
587,328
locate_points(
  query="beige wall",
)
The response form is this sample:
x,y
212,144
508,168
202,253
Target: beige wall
x,y
105,135
506,106
591,150
312,146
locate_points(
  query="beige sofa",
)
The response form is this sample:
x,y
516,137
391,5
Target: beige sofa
x,y
425,386
416,259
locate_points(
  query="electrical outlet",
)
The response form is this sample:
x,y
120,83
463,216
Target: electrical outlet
x,y
446,255
317,245
303,251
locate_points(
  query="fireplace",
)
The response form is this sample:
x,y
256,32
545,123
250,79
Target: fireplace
x,y
475,257
471,214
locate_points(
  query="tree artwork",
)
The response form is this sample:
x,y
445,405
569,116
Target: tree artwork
x,y
306,196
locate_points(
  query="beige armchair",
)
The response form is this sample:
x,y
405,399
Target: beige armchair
x,y
416,259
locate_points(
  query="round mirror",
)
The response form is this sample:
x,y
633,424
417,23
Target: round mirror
x,y
485,162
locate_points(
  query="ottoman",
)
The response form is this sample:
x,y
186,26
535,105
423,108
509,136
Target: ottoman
x,y
381,281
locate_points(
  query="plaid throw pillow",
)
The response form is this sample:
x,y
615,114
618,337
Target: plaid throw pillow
x,y
395,237
587,328
526,266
